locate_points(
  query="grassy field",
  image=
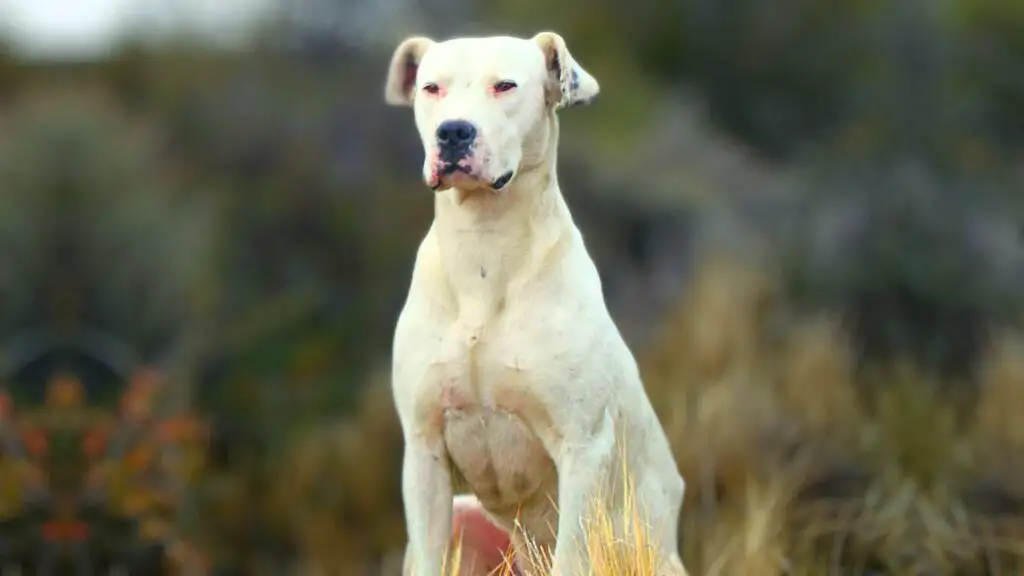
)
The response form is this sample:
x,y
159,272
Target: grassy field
x,y
798,458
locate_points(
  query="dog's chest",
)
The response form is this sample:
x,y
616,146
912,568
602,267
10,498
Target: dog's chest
x,y
491,422
496,367
500,457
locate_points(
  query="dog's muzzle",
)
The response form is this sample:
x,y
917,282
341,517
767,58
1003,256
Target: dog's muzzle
x,y
454,142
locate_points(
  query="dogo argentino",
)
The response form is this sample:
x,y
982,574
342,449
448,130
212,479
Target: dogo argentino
x,y
508,369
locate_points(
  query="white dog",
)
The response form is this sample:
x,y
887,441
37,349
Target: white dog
x,y
508,368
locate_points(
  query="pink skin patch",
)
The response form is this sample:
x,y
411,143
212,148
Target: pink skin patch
x,y
484,545
411,68
434,178
437,172
451,399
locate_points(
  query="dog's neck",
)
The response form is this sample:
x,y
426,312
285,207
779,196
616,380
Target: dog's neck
x,y
491,242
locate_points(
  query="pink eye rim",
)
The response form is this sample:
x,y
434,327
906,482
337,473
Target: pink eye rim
x,y
431,88
503,86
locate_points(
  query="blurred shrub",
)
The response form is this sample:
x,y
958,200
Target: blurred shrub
x,y
920,265
792,75
992,63
344,521
777,74
97,236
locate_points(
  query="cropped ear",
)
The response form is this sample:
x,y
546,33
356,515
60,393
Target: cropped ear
x,y
398,91
570,85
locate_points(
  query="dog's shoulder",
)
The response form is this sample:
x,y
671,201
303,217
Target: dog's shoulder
x,y
428,295
428,268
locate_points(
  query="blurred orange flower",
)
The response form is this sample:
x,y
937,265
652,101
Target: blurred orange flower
x,y
36,442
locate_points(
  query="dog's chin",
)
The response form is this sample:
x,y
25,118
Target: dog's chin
x,y
465,181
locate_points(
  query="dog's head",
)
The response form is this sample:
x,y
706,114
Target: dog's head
x,y
482,104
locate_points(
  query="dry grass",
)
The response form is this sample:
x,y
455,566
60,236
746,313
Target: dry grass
x,y
795,464
615,545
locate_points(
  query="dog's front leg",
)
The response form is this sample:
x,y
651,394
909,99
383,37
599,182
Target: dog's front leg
x,y
584,466
427,492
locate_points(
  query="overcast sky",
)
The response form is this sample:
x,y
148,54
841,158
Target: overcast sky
x,y
76,28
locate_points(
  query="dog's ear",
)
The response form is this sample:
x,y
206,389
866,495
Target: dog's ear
x,y
398,91
568,83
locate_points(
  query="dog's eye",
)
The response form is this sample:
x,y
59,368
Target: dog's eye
x,y
431,88
504,86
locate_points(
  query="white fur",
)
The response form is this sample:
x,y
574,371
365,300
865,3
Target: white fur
x,y
507,365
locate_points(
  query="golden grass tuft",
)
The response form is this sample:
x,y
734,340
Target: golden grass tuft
x,y
629,551
615,545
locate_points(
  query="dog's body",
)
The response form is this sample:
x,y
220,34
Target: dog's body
x,y
507,365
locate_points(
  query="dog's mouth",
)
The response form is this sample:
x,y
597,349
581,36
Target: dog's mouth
x,y
454,172
446,172
449,168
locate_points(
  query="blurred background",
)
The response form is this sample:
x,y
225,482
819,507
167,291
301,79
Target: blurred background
x,y
808,217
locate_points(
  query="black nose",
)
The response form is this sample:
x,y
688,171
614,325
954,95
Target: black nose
x,y
455,134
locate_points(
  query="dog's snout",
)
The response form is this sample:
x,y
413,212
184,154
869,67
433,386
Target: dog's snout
x,y
455,134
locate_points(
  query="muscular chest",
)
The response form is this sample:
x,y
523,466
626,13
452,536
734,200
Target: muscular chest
x,y
492,368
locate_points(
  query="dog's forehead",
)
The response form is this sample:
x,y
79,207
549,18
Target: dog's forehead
x,y
477,57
